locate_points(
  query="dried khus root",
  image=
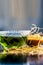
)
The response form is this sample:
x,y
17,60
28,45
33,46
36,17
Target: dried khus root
x,y
35,29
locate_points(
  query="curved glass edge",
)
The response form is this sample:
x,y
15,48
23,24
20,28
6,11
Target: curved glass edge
x,y
15,33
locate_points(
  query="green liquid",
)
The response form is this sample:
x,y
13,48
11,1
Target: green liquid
x,y
11,42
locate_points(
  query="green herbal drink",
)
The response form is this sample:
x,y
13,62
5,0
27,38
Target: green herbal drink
x,y
12,39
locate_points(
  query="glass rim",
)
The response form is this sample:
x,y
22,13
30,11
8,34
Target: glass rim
x,y
18,33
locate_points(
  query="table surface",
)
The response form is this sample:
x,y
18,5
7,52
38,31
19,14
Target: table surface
x,y
30,60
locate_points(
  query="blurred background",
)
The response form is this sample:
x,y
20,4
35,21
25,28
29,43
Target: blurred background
x,y
20,14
